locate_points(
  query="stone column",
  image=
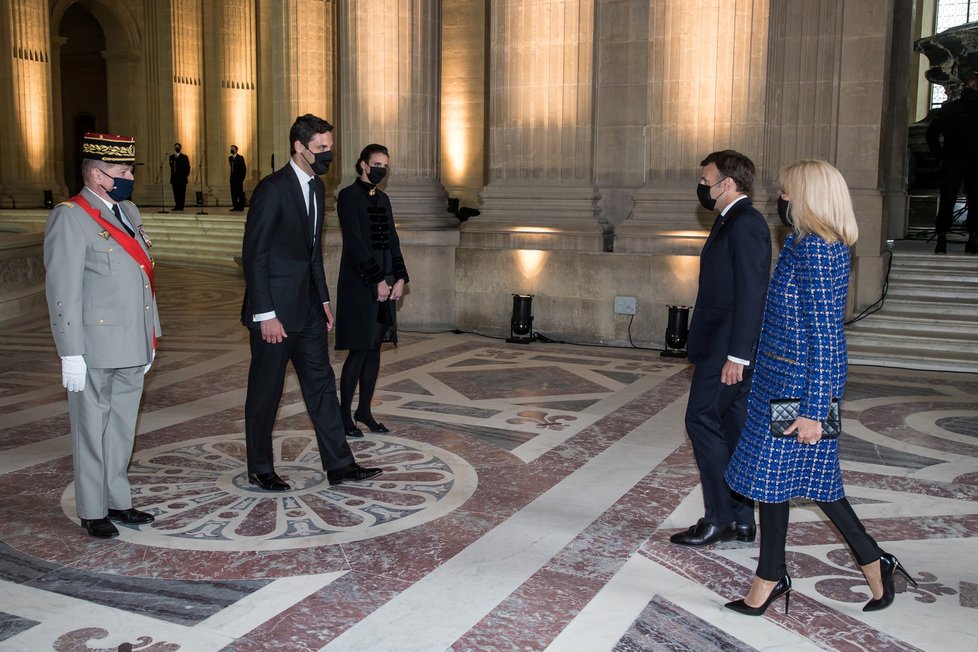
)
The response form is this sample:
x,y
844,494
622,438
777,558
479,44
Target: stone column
x,y
706,85
27,162
187,39
389,83
541,192
829,97
296,71
230,90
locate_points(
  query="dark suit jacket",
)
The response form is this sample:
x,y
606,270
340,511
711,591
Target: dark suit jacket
x,y
281,261
179,168
734,269
238,167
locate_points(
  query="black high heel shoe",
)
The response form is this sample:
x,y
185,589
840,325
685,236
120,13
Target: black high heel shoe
x,y
889,565
783,587
368,421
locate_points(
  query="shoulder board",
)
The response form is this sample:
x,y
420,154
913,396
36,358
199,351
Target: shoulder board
x,y
69,204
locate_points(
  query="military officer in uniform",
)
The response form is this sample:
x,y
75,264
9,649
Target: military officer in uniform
x,y
101,300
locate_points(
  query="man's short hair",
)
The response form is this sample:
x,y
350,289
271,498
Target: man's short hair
x,y
304,128
733,164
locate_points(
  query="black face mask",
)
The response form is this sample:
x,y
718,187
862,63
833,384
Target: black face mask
x,y
703,194
783,212
121,189
376,174
176,149
321,161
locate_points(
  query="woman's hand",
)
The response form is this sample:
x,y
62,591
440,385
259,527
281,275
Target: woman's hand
x,y
397,291
383,291
808,431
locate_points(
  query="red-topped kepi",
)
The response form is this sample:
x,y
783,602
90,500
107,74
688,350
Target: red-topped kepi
x,y
109,148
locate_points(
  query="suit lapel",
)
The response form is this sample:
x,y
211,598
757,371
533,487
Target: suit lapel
x,y
723,220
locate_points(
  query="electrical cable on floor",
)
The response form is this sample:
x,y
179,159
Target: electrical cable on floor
x,y
878,305
540,337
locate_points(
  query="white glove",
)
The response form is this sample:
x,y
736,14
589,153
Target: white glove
x,y
73,371
152,358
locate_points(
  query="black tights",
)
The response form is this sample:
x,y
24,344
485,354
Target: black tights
x,y
361,367
774,533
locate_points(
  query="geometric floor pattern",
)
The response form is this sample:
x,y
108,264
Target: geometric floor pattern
x,y
526,503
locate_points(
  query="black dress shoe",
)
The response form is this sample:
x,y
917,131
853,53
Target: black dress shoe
x,y
371,424
268,481
703,534
353,431
941,246
783,587
746,533
130,516
351,473
889,565
100,528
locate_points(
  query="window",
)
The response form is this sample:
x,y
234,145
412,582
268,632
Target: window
x,y
950,13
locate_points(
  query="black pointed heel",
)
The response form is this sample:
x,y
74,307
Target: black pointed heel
x,y
371,424
889,565
783,587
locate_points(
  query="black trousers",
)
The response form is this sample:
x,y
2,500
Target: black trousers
x,y
360,369
715,416
308,350
774,533
179,194
237,193
952,174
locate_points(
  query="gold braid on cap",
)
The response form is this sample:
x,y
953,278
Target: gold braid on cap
x,y
111,153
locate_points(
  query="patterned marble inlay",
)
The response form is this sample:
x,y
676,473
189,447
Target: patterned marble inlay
x,y
199,492
503,383
858,390
442,408
11,625
666,626
961,425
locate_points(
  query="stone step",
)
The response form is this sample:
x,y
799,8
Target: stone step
x,y
933,293
881,355
965,325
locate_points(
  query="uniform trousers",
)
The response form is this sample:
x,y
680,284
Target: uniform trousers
x,y
103,428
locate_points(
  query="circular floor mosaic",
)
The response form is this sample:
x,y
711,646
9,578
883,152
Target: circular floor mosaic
x,y
199,492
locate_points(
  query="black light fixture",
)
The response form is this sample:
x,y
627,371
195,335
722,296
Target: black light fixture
x,y
48,199
521,322
677,331
200,202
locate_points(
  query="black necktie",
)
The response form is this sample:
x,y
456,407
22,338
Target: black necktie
x,y
118,216
312,210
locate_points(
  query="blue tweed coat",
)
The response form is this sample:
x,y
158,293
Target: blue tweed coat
x,y
801,354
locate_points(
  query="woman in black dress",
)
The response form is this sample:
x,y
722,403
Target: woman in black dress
x,y
372,277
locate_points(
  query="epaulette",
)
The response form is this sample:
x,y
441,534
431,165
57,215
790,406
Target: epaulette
x,y
69,204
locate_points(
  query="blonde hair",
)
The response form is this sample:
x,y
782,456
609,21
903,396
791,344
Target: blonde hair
x,y
820,201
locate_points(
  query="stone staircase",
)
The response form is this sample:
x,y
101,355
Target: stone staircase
x,y
185,239
929,319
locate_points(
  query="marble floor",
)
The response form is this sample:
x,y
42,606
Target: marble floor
x,y
526,502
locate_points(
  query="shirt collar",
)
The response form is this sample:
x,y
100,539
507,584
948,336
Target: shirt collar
x,y
300,173
727,207
107,203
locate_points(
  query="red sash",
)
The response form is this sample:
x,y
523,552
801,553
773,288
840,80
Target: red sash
x,y
126,241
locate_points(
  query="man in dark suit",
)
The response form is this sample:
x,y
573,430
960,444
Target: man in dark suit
x,y
286,308
179,174
238,171
734,268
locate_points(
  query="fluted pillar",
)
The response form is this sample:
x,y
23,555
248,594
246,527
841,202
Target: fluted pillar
x,y
541,192
231,98
707,70
27,165
389,82
297,71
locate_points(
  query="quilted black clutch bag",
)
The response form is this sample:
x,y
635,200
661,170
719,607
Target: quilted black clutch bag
x,y
784,411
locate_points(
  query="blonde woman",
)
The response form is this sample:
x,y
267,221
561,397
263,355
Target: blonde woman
x,y
802,355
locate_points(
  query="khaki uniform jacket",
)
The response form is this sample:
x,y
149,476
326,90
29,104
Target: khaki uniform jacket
x,y
99,299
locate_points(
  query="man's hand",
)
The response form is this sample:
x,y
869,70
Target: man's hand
x,y
329,317
732,373
397,291
73,372
272,331
808,431
383,291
